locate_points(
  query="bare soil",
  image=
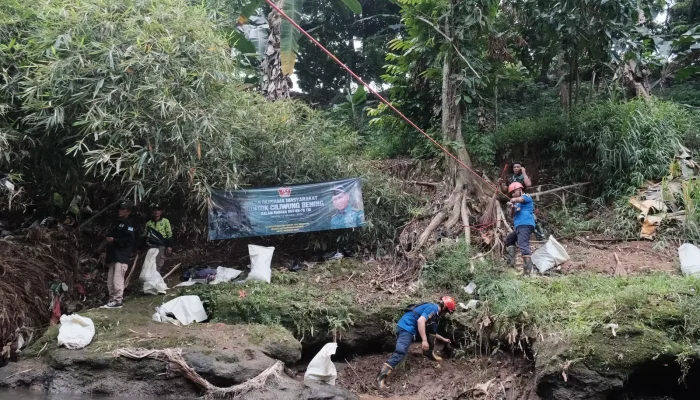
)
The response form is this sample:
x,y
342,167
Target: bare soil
x,y
636,257
501,376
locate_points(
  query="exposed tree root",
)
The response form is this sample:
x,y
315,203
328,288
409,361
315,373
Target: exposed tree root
x,y
175,361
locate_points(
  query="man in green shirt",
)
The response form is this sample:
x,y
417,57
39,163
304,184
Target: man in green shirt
x,y
159,234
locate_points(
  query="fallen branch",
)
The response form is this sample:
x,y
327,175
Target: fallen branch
x,y
17,373
559,189
172,270
587,243
102,211
175,361
430,184
133,267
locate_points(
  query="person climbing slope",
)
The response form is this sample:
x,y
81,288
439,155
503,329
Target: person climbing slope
x,y
414,322
518,175
523,211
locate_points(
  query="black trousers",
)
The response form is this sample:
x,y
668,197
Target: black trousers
x,y
521,236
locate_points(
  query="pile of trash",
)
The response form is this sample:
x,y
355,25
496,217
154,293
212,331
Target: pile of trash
x,y
260,269
669,199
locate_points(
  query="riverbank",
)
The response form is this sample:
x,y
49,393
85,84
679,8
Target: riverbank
x,y
550,336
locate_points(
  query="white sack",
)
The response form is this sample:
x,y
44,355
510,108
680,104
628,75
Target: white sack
x,y
153,283
75,332
321,368
549,255
260,260
187,309
690,259
224,274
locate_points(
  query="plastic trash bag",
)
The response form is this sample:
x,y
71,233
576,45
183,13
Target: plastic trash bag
x,y
153,283
321,368
186,309
260,260
550,255
75,332
690,259
224,274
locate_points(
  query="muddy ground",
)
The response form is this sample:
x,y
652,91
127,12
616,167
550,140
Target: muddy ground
x,y
501,376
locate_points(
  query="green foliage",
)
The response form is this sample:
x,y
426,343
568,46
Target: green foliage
x,y
304,309
617,146
578,306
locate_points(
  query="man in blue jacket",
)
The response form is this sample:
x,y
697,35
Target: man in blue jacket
x,y
523,210
413,323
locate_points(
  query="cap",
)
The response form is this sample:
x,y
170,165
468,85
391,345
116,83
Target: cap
x,y
126,205
156,206
338,189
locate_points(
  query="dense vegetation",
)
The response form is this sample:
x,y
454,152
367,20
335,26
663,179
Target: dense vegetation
x,y
157,100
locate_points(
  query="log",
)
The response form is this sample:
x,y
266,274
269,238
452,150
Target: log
x,y
559,189
430,184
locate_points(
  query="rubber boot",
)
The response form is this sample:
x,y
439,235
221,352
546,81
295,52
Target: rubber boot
x,y
383,374
527,265
430,353
510,256
539,235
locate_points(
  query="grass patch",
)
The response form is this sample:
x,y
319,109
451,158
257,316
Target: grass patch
x,y
302,308
658,313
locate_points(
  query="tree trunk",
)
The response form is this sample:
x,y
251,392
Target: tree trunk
x,y
275,84
544,68
635,74
563,84
457,177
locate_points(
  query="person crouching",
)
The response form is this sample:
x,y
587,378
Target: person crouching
x,y
414,322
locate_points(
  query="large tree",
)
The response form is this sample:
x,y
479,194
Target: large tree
x,y
445,44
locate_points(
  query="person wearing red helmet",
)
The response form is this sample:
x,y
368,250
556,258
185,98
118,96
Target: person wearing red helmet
x,y
523,211
414,322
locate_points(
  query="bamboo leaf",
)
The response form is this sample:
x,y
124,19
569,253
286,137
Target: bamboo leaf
x,y
289,36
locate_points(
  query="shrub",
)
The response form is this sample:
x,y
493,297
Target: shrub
x,y
618,146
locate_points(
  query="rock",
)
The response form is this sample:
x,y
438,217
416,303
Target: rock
x,y
225,355
276,342
326,392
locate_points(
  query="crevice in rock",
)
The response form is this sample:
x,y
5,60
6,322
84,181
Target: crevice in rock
x,y
659,380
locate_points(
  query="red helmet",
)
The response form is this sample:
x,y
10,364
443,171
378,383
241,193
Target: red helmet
x,y
515,186
449,303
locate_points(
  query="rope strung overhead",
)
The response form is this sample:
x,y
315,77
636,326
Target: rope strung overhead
x,y
379,96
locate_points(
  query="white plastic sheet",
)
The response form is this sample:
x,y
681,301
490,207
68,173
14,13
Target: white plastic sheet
x,y
321,368
224,274
186,309
153,283
690,259
75,332
260,260
549,255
